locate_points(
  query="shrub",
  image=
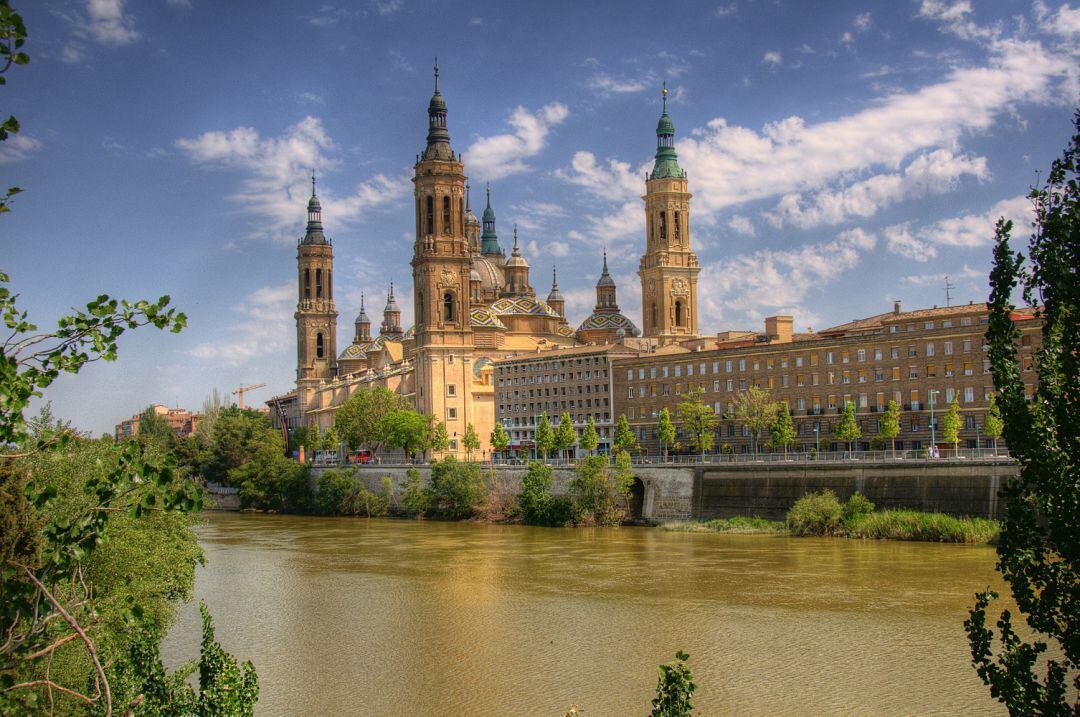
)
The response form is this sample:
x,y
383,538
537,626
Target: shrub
x,y
815,514
674,689
457,489
341,493
331,492
414,497
595,493
858,506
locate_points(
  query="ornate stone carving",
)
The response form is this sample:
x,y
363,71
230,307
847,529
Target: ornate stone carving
x,y
679,287
446,279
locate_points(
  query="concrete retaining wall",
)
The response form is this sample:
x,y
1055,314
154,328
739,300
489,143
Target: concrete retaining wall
x,y
957,487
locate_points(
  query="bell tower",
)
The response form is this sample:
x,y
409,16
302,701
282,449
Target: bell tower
x,y
316,317
669,267
442,264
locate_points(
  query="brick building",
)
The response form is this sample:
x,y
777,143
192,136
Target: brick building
x,y
900,355
576,381
181,421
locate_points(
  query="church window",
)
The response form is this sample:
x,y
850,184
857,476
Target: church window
x,y
446,216
318,283
329,284
653,322
676,228
430,215
663,225
678,313
320,349
448,307
307,283
420,307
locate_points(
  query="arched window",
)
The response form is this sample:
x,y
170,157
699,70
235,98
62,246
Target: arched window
x,y
446,216
307,283
318,283
329,284
448,306
678,234
430,215
420,307
320,351
653,322
663,225
678,313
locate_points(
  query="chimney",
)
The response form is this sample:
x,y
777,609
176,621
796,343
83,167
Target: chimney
x,y
896,308
778,329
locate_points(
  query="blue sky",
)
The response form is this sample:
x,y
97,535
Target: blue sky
x,y
840,154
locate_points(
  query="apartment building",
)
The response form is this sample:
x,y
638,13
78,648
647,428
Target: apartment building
x,y
181,421
912,357
575,380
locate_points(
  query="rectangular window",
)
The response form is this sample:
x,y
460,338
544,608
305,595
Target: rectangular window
x,y
877,354
948,348
716,367
664,371
729,385
931,370
689,370
678,370
861,354
895,373
798,362
928,325
894,352
652,372
828,357
630,375
716,386
800,404
845,356
727,366
451,389
800,380
451,413
969,394
742,364
768,363
950,394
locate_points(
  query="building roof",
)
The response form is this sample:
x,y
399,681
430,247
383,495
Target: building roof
x,y
571,351
608,320
522,306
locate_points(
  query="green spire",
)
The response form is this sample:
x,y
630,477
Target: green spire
x,y
438,137
667,161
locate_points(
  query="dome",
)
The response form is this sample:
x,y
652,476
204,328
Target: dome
x,y
353,352
522,306
362,318
491,276
484,317
609,321
665,126
437,104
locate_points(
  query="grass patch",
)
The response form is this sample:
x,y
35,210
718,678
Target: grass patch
x,y
739,524
930,527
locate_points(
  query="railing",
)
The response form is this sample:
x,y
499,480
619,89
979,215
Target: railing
x,y
907,456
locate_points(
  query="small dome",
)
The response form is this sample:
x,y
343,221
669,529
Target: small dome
x,y
437,104
362,318
665,126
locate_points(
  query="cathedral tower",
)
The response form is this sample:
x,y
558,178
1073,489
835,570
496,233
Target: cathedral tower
x,y
362,324
391,323
669,267
517,273
442,264
316,317
555,299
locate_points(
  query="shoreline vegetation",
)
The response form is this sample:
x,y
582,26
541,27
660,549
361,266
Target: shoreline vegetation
x,y
823,515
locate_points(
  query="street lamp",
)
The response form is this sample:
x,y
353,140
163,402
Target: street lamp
x,y
817,440
978,452
933,443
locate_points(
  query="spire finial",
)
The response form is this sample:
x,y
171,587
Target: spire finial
x,y
391,294
436,74
515,235
361,302
468,197
665,95
313,181
554,278
605,260
489,195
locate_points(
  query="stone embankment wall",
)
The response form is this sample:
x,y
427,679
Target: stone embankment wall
x,y
957,487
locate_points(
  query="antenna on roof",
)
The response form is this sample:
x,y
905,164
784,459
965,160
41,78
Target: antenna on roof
x,y
948,289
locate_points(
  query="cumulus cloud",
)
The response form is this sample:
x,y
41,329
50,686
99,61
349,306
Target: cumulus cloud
x,y
750,286
276,186
862,22
17,148
772,58
505,154
974,230
109,24
939,279
741,225
265,327
725,10
935,172
612,180
1065,22
900,241
644,75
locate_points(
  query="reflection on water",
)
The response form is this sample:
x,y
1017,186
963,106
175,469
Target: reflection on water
x,y
390,617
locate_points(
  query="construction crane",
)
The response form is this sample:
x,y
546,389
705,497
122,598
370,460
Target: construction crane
x,y
244,389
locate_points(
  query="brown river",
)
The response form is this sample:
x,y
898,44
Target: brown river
x,y
393,617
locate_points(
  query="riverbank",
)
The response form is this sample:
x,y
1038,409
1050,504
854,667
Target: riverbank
x,y
882,525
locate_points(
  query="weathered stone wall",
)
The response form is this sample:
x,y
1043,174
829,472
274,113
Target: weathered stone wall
x,y
957,487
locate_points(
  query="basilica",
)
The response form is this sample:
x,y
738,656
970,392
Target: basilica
x,y
472,303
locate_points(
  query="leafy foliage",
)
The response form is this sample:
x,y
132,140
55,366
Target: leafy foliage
x,y
665,430
415,496
674,689
565,435
440,438
857,507
536,503
359,419
599,494
457,489
890,423
993,426
590,439
816,514
500,441
406,429
952,423
269,481
698,419
545,436
625,440
342,493
782,430
470,441
1038,549
755,409
847,428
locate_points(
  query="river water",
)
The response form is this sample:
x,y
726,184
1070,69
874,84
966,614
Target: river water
x,y
394,617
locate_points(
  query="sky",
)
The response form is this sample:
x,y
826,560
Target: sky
x,y
841,155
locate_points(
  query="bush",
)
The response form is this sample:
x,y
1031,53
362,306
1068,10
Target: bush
x,y
934,527
341,493
414,497
457,489
596,492
815,514
538,506
858,506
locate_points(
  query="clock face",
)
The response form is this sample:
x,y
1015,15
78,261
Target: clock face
x,y
479,365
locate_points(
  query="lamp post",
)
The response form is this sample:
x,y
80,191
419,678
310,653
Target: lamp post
x,y
978,447
933,443
817,441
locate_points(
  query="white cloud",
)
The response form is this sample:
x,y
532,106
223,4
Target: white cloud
x,y
772,58
742,225
1064,23
952,15
606,84
17,148
505,154
534,216
388,7
614,182
108,24
900,241
862,22
974,230
847,38
939,279
558,248
276,187
476,22
750,286
309,98
935,172
642,75
265,327
725,10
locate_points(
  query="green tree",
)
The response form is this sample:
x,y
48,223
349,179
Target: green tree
x,y
270,481
407,430
890,424
590,439
315,437
847,428
1038,549
782,431
698,419
545,436
154,429
595,492
674,689
992,424
951,425
665,430
756,410
500,441
470,441
440,437
237,435
625,440
359,419
536,503
457,489
565,435
12,38
330,440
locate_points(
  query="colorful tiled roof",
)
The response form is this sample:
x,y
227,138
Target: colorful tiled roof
x,y
522,306
483,317
609,321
